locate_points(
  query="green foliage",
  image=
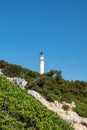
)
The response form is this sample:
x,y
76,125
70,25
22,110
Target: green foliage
x,y
12,70
56,88
51,85
3,64
51,73
65,107
81,109
18,110
58,77
56,74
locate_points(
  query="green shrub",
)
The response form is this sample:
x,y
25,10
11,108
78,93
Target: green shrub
x,y
51,85
3,64
81,109
18,110
65,107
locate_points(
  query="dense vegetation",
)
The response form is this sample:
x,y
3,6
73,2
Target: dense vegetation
x,y
13,70
20,111
52,86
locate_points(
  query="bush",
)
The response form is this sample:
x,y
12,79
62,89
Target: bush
x,y
65,107
3,64
12,71
51,85
81,109
18,110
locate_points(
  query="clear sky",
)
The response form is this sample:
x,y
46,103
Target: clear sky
x,y
56,27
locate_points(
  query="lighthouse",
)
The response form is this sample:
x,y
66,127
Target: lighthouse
x,y
41,63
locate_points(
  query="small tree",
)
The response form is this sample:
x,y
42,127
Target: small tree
x,y
65,107
51,73
58,77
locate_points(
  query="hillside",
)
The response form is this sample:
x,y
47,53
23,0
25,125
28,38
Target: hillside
x,y
51,86
18,110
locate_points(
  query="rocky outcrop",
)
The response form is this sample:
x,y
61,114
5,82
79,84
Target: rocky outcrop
x,y
79,123
1,72
18,81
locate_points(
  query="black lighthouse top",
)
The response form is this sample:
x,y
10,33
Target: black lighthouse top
x,y
41,53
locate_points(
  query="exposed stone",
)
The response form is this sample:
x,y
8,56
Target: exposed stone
x,y
58,105
73,105
79,123
18,81
72,117
1,72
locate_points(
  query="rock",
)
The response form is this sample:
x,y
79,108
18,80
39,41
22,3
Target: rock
x,y
1,72
72,105
18,81
79,127
72,117
79,123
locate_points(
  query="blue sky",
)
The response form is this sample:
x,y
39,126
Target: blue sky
x,y
56,27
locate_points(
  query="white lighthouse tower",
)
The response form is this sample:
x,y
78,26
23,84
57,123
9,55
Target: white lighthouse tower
x,y
41,63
